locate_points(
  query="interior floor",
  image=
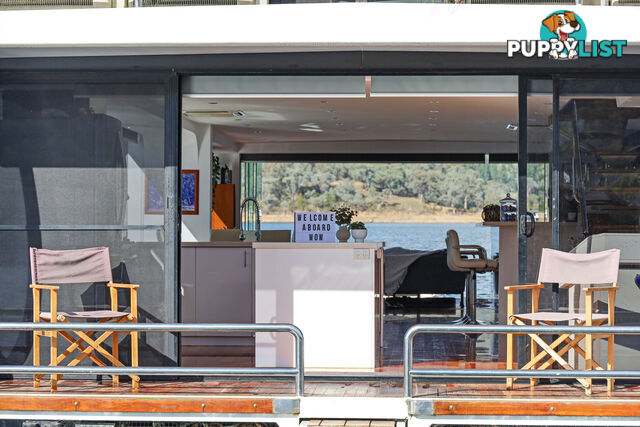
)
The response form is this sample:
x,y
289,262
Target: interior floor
x,y
437,349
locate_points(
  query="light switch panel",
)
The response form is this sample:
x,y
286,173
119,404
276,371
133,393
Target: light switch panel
x,y
361,254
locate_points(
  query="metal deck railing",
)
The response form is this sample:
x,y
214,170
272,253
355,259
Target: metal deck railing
x,y
410,372
297,371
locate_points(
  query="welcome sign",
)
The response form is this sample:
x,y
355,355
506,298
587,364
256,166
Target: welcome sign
x,y
315,227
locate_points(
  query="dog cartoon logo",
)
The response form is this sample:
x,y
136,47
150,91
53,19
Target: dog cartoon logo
x,y
563,29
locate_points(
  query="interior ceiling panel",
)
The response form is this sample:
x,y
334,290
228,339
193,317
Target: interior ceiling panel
x,y
308,120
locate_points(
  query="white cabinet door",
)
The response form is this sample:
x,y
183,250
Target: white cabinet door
x,y
224,292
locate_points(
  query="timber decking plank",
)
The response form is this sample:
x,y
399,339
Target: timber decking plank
x,y
601,407
148,404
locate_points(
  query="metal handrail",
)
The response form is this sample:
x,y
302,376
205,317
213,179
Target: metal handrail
x,y
297,371
410,372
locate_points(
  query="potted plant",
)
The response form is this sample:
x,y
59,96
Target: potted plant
x,y
344,215
358,231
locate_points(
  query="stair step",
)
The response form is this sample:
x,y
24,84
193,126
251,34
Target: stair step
x,y
614,227
613,189
615,153
614,208
614,170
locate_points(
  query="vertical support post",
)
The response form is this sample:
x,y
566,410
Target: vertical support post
x,y
36,334
588,344
299,363
54,339
535,298
522,197
408,362
510,312
134,335
172,134
113,292
610,339
555,184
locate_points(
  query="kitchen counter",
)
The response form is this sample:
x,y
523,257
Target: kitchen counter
x,y
216,244
331,291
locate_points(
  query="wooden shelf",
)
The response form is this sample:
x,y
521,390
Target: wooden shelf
x,y
500,223
223,212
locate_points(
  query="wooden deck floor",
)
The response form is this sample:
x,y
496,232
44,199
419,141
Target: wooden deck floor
x,y
258,397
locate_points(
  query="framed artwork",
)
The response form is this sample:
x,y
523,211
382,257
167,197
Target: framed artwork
x,y
153,196
189,185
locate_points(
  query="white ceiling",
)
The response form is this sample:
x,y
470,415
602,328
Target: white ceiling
x,y
460,118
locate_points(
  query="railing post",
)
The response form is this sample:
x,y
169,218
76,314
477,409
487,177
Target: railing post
x,y
299,361
408,361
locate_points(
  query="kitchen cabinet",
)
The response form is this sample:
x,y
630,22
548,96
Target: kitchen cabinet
x,y
217,287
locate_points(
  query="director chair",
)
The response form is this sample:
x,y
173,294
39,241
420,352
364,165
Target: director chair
x,y
51,268
568,270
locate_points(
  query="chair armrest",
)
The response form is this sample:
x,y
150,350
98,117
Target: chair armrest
x,y
47,287
476,250
123,285
601,288
523,287
471,247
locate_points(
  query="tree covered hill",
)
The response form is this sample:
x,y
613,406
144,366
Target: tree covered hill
x,y
380,187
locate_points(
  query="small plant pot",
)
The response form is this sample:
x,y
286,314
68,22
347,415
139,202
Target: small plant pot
x,y
343,234
359,235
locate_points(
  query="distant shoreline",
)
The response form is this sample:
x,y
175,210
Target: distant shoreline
x,y
396,217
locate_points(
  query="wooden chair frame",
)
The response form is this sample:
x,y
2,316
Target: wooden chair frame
x,y
84,343
550,352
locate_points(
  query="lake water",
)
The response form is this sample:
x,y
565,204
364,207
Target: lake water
x,y
427,237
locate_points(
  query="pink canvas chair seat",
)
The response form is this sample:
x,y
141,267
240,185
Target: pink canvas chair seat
x,y
553,316
96,314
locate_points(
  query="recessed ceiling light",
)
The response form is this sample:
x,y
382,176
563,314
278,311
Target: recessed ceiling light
x,y
207,113
432,124
434,102
434,111
324,102
433,118
310,125
512,127
339,124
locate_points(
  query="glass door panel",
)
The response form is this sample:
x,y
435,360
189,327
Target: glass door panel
x,y
599,155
